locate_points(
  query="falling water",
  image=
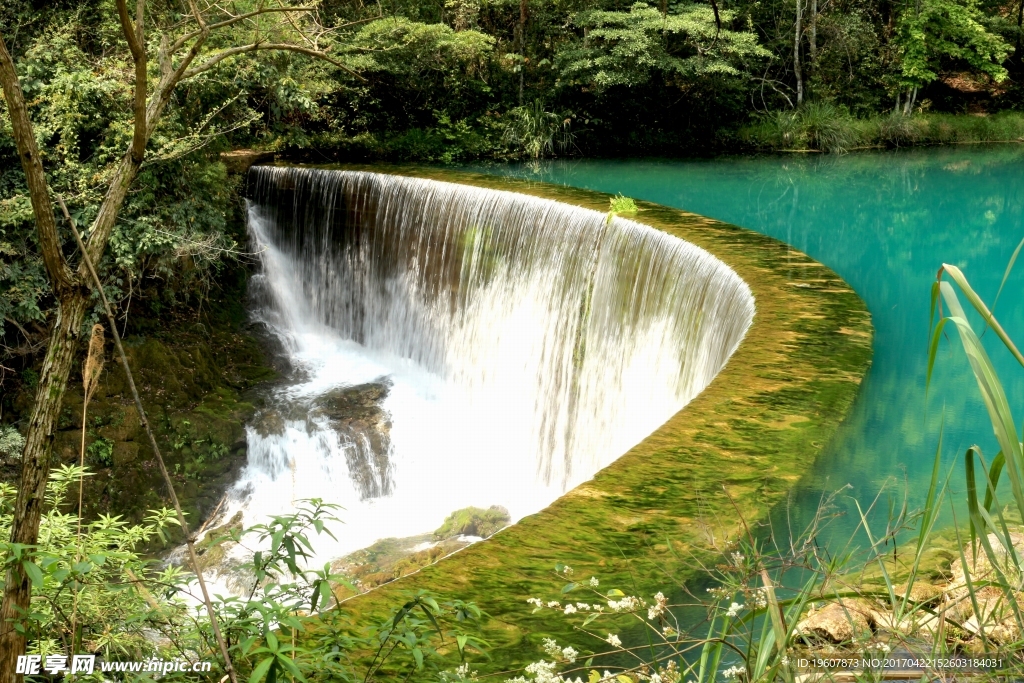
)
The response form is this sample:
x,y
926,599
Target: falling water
x,y
460,346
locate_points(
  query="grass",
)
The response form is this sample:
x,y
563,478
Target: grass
x,y
823,127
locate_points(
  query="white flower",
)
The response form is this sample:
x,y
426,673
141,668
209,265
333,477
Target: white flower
x,y
582,606
536,602
551,648
569,654
734,671
733,610
737,559
594,582
570,609
613,640
554,604
655,678
659,607
543,672
567,570
626,604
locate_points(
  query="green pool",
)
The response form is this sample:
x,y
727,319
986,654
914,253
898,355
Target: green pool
x,y
884,222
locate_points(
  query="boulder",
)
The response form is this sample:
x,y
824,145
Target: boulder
x,y
474,521
838,622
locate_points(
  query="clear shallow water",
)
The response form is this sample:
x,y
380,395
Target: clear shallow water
x,y
885,222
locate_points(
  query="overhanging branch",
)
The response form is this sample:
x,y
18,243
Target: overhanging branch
x,y
253,47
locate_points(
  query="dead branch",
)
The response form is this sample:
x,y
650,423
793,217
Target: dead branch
x,y
152,442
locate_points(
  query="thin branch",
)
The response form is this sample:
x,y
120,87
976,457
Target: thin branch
x,y
152,441
285,47
234,20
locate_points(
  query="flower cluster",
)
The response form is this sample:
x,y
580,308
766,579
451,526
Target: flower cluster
x,y
629,603
542,672
759,597
658,608
734,672
563,654
733,610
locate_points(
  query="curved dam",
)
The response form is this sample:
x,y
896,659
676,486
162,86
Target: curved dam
x,y
674,501
456,345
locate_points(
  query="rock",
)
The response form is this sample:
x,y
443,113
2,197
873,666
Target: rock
x,y
921,593
125,452
268,422
980,566
473,521
838,622
357,415
239,160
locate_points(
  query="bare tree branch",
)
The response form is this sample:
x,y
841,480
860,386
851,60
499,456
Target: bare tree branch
x,y
180,42
284,47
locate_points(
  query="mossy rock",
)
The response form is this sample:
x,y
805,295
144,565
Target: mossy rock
x,y
196,389
474,521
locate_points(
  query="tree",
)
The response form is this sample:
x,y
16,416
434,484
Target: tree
x,y
933,31
185,45
630,48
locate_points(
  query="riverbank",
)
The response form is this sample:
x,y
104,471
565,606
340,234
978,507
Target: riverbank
x,y
825,128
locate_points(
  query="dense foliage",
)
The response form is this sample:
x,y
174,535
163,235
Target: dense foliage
x,y
460,80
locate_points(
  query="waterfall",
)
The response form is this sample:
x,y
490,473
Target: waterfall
x,y
459,346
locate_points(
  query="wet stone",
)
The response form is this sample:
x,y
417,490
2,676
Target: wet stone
x,y
363,426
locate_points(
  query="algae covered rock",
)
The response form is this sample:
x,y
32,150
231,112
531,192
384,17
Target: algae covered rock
x,y
473,521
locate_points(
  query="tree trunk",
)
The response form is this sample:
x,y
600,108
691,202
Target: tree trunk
x,y
522,48
813,37
1020,22
797,66
35,469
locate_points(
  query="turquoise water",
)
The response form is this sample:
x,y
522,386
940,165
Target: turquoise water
x,y
885,222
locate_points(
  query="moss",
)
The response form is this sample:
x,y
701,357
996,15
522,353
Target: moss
x,y
195,382
473,521
734,450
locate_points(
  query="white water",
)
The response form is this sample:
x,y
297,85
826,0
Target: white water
x,y
527,343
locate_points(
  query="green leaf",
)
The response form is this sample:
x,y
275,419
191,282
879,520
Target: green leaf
x,y
261,670
616,593
34,573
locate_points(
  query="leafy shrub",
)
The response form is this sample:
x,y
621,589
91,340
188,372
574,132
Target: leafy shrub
x,y
622,204
11,442
101,452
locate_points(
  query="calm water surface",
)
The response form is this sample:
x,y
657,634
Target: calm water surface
x,y
885,222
